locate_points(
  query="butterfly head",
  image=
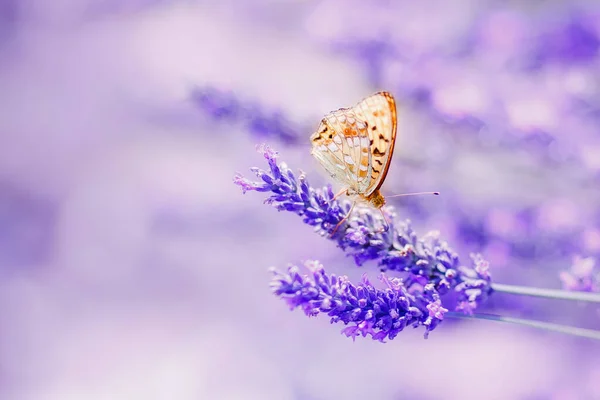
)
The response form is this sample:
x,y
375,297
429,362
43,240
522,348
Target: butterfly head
x,y
376,199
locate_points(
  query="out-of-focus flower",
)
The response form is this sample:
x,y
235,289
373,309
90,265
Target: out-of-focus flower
x,y
572,41
427,260
369,311
224,105
581,276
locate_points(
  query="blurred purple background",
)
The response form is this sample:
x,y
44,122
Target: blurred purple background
x,y
132,268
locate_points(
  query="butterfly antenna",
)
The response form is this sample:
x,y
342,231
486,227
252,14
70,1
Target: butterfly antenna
x,y
413,194
342,221
387,221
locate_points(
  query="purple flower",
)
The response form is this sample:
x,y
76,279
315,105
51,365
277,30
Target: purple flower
x,y
369,311
426,260
224,105
246,184
218,104
436,310
267,151
357,235
581,276
482,266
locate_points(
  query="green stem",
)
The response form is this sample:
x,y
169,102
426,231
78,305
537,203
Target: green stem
x,y
547,293
569,330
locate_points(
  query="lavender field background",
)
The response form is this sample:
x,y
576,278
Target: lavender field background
x,y
131,267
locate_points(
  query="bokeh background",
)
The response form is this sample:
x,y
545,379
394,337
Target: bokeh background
x,y
132,268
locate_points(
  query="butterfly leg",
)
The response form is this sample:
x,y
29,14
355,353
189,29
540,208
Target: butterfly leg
x,y
343,219
338,194
386,221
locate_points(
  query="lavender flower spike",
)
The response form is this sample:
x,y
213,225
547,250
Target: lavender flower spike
x,y
427,260
369,311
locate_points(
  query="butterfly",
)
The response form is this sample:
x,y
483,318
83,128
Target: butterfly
x,y
355,145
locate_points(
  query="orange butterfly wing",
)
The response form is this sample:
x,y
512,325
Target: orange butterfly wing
x,y
378,111
341,144
355,145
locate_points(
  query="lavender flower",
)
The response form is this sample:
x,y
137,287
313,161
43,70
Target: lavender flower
x,y
581,276
369,311
223,105
427,260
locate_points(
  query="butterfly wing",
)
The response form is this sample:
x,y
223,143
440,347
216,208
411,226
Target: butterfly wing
x,y
341,144
378,111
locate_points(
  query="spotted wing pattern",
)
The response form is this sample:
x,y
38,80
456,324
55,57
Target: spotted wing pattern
x,y
378,112
341,144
